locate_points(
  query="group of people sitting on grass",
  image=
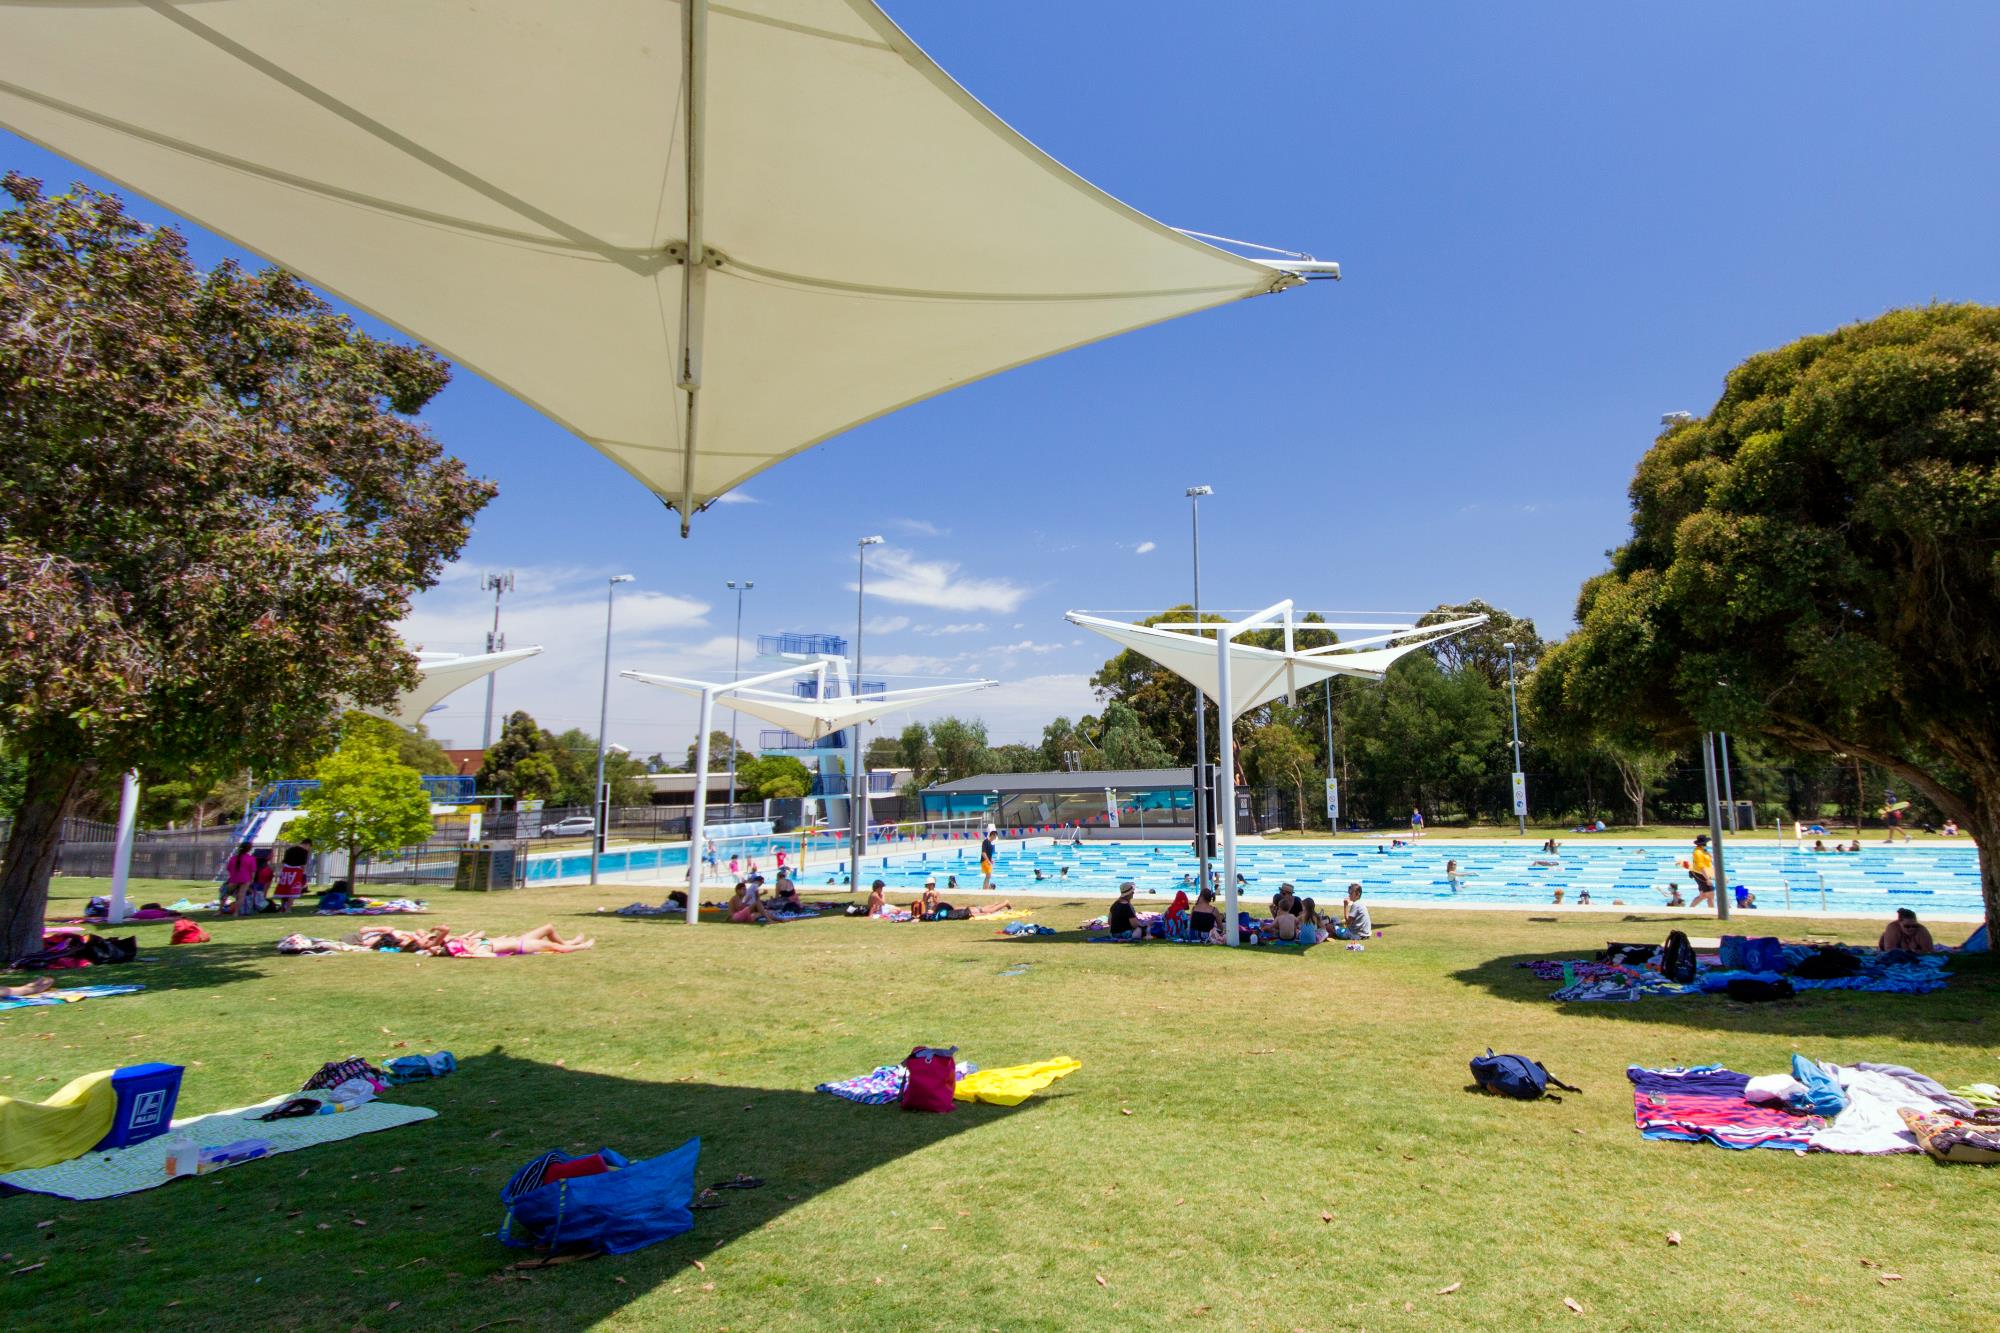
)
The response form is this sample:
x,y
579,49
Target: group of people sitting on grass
x,y
1293,919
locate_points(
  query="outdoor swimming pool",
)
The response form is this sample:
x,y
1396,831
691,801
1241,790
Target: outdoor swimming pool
x,y
1928,877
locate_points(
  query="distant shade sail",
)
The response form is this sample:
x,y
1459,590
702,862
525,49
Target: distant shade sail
x,y
443,676
514,182
1259,675
813,719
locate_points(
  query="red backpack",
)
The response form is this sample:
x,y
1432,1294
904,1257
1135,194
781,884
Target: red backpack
x,y
933,1078
187,932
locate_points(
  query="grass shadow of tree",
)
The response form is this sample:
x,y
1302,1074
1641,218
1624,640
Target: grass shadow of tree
x,y
1958,1015
407,1211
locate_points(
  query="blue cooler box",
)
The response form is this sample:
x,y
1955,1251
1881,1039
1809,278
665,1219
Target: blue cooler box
x,y
146,1097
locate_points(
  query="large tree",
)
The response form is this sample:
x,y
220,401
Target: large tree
x,y
214,509
1817,560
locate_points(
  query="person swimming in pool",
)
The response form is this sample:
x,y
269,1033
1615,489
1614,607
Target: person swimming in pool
x,y
1451,875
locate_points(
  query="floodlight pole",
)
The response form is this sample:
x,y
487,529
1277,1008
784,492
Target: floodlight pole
x,y
857,781
599,798
735,673
495,641
1203,827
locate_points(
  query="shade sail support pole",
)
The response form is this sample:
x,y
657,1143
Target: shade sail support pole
x,y
694,264
121,858
696,829
1225,747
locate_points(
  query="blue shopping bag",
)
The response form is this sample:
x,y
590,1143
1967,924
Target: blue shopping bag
x,y
634,1205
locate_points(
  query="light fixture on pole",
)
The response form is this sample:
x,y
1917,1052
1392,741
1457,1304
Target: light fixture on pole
x,y
1204,822
496,584
1520,778
602,807
735,674
857,781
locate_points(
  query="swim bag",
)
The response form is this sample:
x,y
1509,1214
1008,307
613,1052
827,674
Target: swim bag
x,y
1515,1076
933,1078
628,1206
1677,962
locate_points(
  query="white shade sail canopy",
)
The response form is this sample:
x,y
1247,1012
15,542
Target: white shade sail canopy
x,y
520,184
443,676
812,719
1259,675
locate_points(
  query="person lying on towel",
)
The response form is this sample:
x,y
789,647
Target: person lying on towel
x,y
1907,934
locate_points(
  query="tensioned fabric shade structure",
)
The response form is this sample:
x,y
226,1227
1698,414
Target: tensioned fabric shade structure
x,y
444,676
1240,676
809,719
703,237
1259,675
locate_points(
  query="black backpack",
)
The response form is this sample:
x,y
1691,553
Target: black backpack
x,y
1677,958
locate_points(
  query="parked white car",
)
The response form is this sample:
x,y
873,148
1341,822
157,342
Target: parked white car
x,y
576,826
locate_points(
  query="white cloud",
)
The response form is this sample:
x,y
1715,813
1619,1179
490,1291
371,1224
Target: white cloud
x,y
976,627
737,498
899,576
1145,548
888,624
917,527
562,609
1025,646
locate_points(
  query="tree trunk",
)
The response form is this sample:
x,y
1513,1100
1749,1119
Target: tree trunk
x,y
31,853
1982,820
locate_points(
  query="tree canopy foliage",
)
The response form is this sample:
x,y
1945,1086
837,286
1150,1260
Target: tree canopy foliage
x,y
368,801
214,509
528,762
1817,560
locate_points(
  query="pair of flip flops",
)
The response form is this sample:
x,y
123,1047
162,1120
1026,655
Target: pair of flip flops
x,y
709,1198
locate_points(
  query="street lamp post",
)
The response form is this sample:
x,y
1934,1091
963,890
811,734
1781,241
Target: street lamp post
x,y
857,781
1203,816
736,674
1520,778
603,806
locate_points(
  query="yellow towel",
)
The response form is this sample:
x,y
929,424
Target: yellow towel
x,y
1015,1083
67,1125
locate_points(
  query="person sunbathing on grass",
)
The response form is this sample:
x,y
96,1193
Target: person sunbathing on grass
x,y
27,988
930,907
787,898
478,944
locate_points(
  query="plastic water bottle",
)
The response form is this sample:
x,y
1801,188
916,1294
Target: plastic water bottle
x,y
183,1157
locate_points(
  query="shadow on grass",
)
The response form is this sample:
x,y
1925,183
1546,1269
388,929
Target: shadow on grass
x,y
413,1211
1958,1015
1155,946
162,966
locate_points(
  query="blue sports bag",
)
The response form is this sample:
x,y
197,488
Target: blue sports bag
x,y
634,1205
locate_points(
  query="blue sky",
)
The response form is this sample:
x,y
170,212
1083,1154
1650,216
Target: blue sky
x,y
1556,223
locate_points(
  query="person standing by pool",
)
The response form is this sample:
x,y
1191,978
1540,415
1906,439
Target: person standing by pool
x,y
986,850
1701,868
1416,823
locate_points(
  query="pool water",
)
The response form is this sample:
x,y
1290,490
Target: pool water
x,y
1928,878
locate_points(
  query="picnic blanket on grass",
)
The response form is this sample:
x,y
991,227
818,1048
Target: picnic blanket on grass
x,y
106,1175
68,995
1705,1104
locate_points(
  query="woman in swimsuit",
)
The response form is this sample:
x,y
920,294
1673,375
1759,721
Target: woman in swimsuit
x,y
743,904
542,939
1202,917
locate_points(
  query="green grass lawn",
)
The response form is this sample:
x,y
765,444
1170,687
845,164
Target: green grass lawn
x,y
1257,1139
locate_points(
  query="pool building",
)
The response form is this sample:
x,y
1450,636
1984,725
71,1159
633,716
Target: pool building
x,y
1127,802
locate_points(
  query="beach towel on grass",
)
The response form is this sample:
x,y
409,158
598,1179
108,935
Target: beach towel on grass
x,y
106,1175
69,995
1705,1104
882,1084
1013,1084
